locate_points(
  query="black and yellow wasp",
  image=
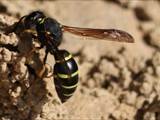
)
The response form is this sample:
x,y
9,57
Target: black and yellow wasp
x,y
49,33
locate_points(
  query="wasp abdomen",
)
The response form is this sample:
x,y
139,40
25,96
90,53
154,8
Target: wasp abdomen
x,y
65,75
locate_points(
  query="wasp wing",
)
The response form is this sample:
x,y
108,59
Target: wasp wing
x,y
102,34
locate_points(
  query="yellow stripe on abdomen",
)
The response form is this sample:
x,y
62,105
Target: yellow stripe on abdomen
x,y
67,95
69,87
65,76
65,59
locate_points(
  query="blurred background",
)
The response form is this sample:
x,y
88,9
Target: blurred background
x,y
118,81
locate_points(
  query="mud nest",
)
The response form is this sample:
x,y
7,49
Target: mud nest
x,y
22,92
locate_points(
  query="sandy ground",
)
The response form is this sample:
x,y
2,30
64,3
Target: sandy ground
x,y
118,81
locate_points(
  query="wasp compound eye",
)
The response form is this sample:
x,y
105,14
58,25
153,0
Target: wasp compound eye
x,y
65,75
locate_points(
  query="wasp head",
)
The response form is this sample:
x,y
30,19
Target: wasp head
x,y
33,18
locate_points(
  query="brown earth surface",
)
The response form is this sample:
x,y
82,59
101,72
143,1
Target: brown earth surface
x,y
118,81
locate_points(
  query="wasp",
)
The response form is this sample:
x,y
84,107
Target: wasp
x,y
49,33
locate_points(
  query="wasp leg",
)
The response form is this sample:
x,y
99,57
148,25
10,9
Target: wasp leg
x,y
49,76
30,31
45,58
49,70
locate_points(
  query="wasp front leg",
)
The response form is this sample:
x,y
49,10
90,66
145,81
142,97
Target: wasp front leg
x,y
31,32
